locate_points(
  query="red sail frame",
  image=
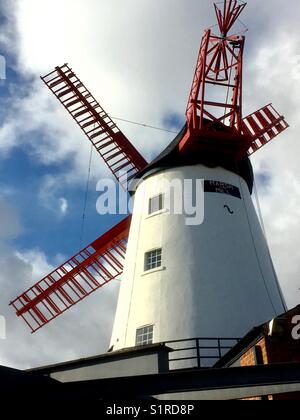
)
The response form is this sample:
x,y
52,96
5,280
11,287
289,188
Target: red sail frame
x,y
219,64
122,158
92,268
216,125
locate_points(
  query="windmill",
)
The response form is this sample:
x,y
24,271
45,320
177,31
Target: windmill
x,y
216,279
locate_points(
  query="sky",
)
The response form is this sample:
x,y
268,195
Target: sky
x,y
138,58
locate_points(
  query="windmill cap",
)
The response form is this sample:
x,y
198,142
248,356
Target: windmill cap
x,y
170,157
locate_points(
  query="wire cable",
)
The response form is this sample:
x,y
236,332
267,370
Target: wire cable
x,y
259,209
245,26
268,247
254,244
229,80
144,125
89,171
86,199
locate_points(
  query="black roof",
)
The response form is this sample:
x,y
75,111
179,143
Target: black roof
x,y
170,157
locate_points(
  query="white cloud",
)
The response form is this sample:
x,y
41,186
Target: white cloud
x,y
83,331
8,30
275,77
50,194
63,205
8,137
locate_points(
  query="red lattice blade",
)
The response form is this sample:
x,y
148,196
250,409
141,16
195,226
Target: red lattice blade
x,y
83,274
112,145
231,12
218,72
263,126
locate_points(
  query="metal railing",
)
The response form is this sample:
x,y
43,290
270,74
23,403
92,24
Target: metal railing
x,y
198,352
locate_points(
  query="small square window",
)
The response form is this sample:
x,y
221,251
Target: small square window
x,y
156,203
144,336
153,259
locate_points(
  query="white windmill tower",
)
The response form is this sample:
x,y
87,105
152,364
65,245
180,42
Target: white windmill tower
x,y
216,278
181,278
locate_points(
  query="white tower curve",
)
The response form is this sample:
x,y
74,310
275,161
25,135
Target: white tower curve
x,y
181,281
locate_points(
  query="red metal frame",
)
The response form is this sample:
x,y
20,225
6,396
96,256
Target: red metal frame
x,y
216,125
219,65
90,269
263,126
231,12
119,154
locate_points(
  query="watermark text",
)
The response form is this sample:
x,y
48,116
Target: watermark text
x,y
296,329
2,68
2,328
180,197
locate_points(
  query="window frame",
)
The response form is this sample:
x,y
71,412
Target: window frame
x,y
144,333
153,262
151,208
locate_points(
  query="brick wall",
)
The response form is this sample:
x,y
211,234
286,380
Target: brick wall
x,y
276,346
258,354
276,349
252,356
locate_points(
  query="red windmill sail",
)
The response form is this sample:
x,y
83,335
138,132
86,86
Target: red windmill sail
x,y
102,261
89,270
119,154
263,126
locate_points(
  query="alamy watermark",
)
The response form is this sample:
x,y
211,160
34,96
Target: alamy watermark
x,y
2,328
2,69
2,78
296,329
295,68
180,197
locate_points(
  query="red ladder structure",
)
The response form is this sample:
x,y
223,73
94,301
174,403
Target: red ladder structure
x,y
219,65
89,270
263,126
215,100
119,154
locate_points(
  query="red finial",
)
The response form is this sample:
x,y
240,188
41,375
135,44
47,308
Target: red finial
x,y
231,12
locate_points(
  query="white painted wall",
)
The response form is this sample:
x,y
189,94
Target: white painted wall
x,y
217,278
131,366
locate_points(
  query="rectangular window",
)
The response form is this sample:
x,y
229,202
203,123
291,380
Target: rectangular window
x,y
144,336
156,203
153,259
